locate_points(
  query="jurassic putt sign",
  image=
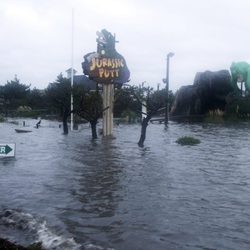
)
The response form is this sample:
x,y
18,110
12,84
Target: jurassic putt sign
x,y
106,65
106,68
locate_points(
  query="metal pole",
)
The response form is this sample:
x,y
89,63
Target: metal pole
x,y
144,107
72,75
167,89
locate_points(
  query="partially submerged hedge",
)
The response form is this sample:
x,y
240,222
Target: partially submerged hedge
x,y
188,140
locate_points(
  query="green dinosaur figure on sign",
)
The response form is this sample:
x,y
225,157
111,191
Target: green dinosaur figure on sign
x,y
240,72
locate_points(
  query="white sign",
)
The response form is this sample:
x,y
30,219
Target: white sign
x,y
7,150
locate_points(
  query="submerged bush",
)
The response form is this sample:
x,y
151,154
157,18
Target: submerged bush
x,y
1,119
188,140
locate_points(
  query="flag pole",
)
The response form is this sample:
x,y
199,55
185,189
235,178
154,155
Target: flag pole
x,y
72,74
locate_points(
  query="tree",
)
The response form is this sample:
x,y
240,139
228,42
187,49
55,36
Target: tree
x,y
15,94
90,109
153,101
159,98
59,93
37,99
124,102
87,104
1,100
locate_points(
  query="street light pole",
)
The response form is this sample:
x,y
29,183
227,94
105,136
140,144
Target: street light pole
x,y
171,54
72,75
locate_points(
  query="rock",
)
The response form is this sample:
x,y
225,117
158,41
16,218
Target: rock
x,y
7,245
208,93
187,102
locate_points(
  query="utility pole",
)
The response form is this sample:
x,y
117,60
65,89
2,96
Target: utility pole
x,y
72,75
171,54
144,103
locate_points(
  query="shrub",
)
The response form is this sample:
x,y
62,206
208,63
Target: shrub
x,y
188,140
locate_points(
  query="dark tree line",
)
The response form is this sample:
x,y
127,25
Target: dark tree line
x,y
87,103
15,94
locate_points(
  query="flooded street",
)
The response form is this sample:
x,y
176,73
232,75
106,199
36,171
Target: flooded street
x,y
73,193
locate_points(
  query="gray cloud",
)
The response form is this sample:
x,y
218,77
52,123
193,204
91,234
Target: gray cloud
x,y
204,35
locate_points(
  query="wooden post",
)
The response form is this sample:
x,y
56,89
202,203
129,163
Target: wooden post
x,y
108,101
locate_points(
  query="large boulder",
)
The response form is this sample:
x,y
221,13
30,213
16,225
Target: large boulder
x,y
186,102
208,93
7,245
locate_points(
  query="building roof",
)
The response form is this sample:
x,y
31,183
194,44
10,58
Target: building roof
x,y
69,71
85,81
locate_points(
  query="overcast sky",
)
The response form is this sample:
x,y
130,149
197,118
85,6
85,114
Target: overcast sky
x,y
35,37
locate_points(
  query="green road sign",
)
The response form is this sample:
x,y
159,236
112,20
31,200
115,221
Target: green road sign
x,y
7,150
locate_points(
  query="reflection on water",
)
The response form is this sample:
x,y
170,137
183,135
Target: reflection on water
x,y
110,193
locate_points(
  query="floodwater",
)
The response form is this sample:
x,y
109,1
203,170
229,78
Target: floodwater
x,y
70,192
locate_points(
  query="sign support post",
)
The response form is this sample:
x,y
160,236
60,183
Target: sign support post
x,y
108,102
108,67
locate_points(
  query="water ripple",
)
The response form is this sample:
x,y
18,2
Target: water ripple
x,y
111,194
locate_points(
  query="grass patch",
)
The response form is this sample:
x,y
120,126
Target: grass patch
x,y
188,140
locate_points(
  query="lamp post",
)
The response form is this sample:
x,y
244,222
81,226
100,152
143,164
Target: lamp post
x,y
72,75
171,54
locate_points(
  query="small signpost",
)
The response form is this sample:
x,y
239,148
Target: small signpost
x,y
108,67
7,150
